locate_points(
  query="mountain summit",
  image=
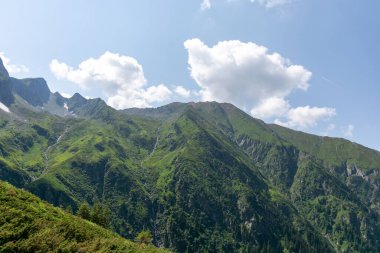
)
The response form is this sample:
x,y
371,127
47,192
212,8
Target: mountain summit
x,y
6,96
35,91
3,72
202,177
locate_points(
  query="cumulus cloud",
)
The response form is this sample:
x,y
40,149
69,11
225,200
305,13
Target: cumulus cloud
x,y
109,70
299,117
271,107
249,76
65,95
13,68
121,78
305,116
139,97
242,73
206,4
183,92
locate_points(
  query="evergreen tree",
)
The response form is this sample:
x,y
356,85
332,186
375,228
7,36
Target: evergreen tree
x,y
144,237
84,211
105,217
69,209
97,214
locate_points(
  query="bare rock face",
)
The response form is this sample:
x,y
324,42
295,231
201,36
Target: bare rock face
x,y
34,90
6,96
3,71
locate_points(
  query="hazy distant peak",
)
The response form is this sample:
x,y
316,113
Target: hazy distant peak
x,y
3,71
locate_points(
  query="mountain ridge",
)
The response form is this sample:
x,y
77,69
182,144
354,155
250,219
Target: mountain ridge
x,y
169,168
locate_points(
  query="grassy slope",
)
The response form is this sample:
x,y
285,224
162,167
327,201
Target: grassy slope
x,y
199,172
307,167
28,224
111,160
335,151
114,163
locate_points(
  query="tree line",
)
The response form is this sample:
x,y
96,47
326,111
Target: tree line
x,y
98,214
101,215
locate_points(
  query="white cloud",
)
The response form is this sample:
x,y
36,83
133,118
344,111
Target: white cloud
x,y
65,95
250,77
183,92
348,131
242,73
140,97
158,93
13,68
206,4
121,78
271,3
271,107
305,116
109,70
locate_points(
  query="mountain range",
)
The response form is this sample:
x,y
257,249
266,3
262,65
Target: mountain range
x,y
202,177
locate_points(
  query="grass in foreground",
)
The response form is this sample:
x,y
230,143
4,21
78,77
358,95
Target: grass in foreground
x,y
28,224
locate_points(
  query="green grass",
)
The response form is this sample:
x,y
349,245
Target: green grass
x,y
334,151
28,224
217,181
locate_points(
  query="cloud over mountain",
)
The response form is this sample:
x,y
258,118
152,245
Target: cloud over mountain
x,y
13,68
121,78
249,76
304,117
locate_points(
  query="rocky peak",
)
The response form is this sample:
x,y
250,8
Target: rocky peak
x,y
3,71
6,96
34,90
77,100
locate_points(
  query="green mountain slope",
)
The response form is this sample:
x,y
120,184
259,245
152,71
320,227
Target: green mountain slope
x,y
200,176
172,171
210,192
172,186
307,168
28,224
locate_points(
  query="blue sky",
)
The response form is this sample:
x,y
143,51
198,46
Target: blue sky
x,y
323,79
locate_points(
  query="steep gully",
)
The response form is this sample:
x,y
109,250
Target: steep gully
x,y
46,154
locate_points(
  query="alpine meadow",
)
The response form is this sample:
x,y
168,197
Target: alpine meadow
x,y
240,151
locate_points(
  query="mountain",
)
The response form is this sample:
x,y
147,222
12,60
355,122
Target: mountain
x,y
202,177
332,182
34,94
28,224
6,97
3,71
33,90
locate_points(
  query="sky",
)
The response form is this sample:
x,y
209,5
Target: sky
x,y
310,65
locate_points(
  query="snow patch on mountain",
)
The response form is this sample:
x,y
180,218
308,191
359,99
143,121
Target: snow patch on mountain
x,y
4,108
